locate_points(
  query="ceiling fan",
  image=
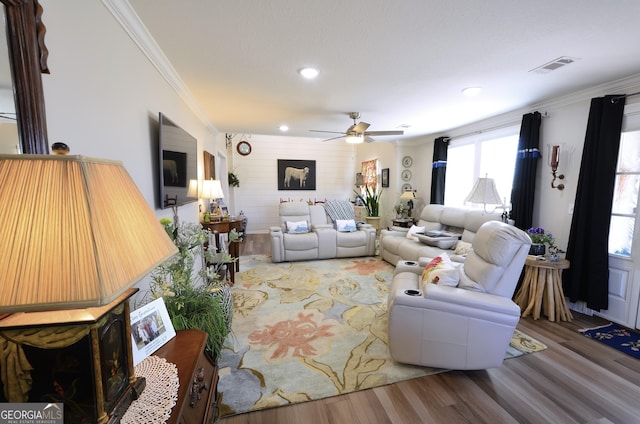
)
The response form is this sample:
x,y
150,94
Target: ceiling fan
x,y
357,133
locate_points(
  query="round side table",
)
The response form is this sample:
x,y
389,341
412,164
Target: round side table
x,y
542,289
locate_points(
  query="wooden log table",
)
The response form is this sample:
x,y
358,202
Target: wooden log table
x,y
541,290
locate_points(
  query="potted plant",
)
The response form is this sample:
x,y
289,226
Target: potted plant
x,y
371,199
202,299
539,240
233,179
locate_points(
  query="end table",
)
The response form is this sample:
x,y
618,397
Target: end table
x,y
542,289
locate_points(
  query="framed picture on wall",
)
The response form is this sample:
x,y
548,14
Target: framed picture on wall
x,y
296,174
385,177
209,166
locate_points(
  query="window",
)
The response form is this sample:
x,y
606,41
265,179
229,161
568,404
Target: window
x,y
492,154
625,195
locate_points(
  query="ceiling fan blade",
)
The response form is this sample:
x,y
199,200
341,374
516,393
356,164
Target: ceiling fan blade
x,y
333,138
331,132
368,139
384,132
361,127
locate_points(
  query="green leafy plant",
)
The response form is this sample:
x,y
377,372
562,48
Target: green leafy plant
x,y
371,199
233,179
193,299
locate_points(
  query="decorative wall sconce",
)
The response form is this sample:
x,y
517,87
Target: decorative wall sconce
x,y
554,161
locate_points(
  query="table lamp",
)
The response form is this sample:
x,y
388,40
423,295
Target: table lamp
x,y
212,190
484,191
409,196
68,272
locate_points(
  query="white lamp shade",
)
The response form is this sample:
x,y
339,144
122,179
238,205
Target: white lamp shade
x,y
484,191
211,189
408,195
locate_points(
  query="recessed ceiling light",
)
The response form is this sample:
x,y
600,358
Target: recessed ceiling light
x,y
284,128
308,73
471,91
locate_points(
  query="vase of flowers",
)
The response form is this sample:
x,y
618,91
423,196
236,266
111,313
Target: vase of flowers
x,y
539,241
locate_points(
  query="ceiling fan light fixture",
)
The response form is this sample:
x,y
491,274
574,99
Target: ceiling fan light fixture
x,y
355,138
309,73
284,128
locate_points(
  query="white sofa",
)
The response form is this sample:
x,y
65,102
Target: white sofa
x,y
465,222
323,241
460,328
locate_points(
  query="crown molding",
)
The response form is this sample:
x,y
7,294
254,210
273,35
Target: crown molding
x,y
133,26
620,86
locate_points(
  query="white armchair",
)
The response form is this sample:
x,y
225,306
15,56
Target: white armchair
x,y
460,328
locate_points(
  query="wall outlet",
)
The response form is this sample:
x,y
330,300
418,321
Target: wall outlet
x,y
570,210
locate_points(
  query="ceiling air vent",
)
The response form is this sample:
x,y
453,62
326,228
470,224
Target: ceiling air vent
x,y
554,64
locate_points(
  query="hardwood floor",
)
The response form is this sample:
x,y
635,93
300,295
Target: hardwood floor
x,y
576,380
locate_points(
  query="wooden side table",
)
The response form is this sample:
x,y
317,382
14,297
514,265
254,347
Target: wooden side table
x,y
225,227
542,289
198,375
403,222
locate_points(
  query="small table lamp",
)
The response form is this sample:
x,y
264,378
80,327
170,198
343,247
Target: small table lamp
x,y
409,196
212,190
67,275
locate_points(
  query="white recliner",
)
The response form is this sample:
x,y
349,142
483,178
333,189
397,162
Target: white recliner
x,y
460,328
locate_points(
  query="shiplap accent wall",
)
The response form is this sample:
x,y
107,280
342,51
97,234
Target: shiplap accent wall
x,y
258,195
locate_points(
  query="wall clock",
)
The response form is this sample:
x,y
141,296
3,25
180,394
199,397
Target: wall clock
x,y
406,175
407,161
244,148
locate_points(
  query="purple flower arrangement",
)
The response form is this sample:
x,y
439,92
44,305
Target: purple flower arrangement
x,y
538,236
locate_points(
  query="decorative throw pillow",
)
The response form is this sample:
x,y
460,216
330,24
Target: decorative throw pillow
x,y
414,229
462,247
441,271
298,227
346,225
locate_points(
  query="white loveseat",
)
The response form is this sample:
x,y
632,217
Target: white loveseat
x,y
460,328
465,222
322,241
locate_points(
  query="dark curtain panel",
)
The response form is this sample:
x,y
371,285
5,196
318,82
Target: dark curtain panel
x,y
588,277
439,170
524,177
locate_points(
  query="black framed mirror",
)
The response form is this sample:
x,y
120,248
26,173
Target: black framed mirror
x,y
28,60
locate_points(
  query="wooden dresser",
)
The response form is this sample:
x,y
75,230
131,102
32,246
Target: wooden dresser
x,y
198,375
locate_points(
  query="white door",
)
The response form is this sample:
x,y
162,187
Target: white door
x,y
624,230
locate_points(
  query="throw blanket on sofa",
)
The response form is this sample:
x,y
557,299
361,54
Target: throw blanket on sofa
x,y
339,209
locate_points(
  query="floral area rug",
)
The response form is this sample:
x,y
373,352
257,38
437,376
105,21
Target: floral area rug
x,y
616,336
308,330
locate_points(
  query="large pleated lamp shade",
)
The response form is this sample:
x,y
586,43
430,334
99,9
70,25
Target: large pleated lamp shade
x,y
484,191
76,232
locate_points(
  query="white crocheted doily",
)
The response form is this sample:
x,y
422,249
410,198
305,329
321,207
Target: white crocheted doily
x,y
158,397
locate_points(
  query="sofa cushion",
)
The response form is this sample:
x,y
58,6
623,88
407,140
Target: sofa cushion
x,y
351,239
304,241
441,271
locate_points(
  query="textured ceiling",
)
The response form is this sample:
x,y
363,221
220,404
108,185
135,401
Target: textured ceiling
x,y
395,62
